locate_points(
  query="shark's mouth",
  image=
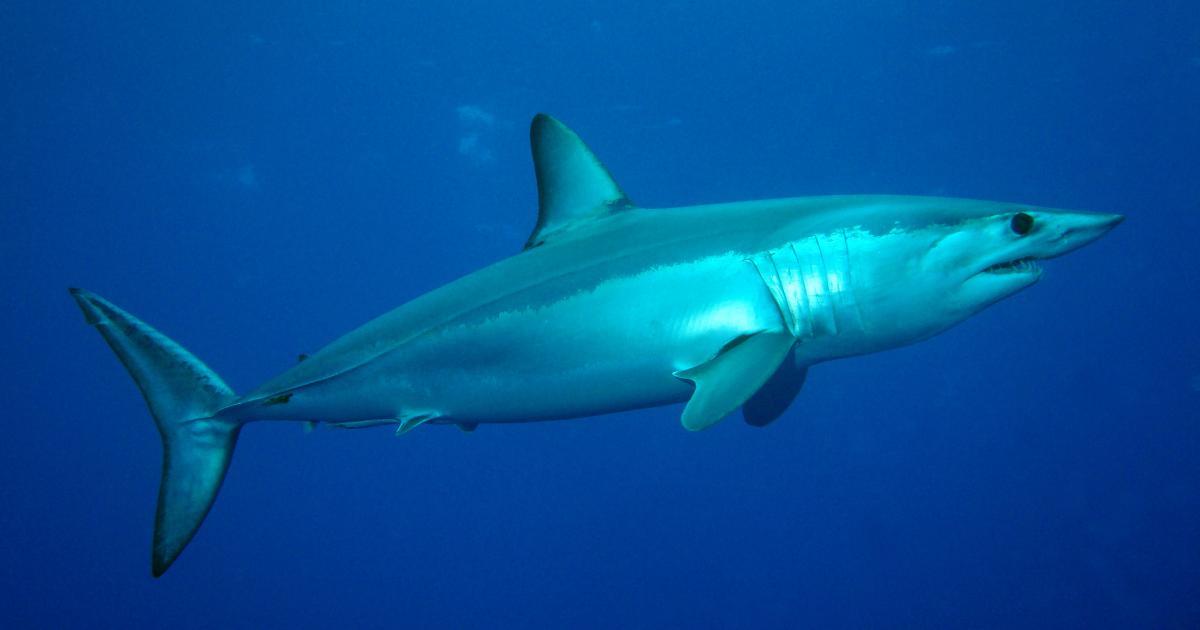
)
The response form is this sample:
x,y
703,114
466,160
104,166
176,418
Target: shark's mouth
x,y
1027,264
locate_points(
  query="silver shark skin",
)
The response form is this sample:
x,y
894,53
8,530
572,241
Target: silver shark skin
x,y
613,307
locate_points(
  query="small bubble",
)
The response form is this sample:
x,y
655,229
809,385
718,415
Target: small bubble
x,y
474,115
247,177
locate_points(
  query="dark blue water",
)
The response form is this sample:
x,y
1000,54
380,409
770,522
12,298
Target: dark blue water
x,y
256,181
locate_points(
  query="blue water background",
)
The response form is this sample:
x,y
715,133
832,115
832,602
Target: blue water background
x,y
256,180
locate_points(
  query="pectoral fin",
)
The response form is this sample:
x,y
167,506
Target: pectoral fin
x,y
727,380
773,398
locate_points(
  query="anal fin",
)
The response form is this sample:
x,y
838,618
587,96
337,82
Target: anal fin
x,y
403,424
409,422
727,380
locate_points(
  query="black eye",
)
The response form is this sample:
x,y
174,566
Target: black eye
x,y
1022,223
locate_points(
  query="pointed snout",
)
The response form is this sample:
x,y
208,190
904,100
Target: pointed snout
x,y
1109,221
1078,229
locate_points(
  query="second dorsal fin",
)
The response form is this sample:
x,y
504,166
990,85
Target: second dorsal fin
x,y
573,186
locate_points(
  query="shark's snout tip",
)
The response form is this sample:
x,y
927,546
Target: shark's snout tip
x,y
1098,225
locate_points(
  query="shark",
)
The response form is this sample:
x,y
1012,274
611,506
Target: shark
x,y
608,307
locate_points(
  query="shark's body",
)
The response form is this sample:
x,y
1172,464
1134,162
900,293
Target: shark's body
x,y
614,307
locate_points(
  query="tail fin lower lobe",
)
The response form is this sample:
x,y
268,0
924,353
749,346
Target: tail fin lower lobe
x,y
183,394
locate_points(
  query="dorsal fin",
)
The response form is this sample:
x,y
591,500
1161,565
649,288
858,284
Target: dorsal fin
x,y
573,185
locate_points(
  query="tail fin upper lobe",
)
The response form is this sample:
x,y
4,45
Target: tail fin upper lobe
x,y
183,394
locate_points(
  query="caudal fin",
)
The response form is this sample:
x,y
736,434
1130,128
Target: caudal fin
x,y
183,394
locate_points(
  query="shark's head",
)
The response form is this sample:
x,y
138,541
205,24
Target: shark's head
x,y
956,258
986,259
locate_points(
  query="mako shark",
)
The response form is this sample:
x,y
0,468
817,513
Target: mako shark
x,y
611,307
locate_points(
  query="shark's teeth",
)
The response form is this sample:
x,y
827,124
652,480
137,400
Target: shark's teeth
x,y
1020,265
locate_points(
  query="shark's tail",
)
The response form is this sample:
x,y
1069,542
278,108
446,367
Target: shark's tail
x,y
183,395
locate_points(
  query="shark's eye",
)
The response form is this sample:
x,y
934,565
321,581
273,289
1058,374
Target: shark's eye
x,y
1022,223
